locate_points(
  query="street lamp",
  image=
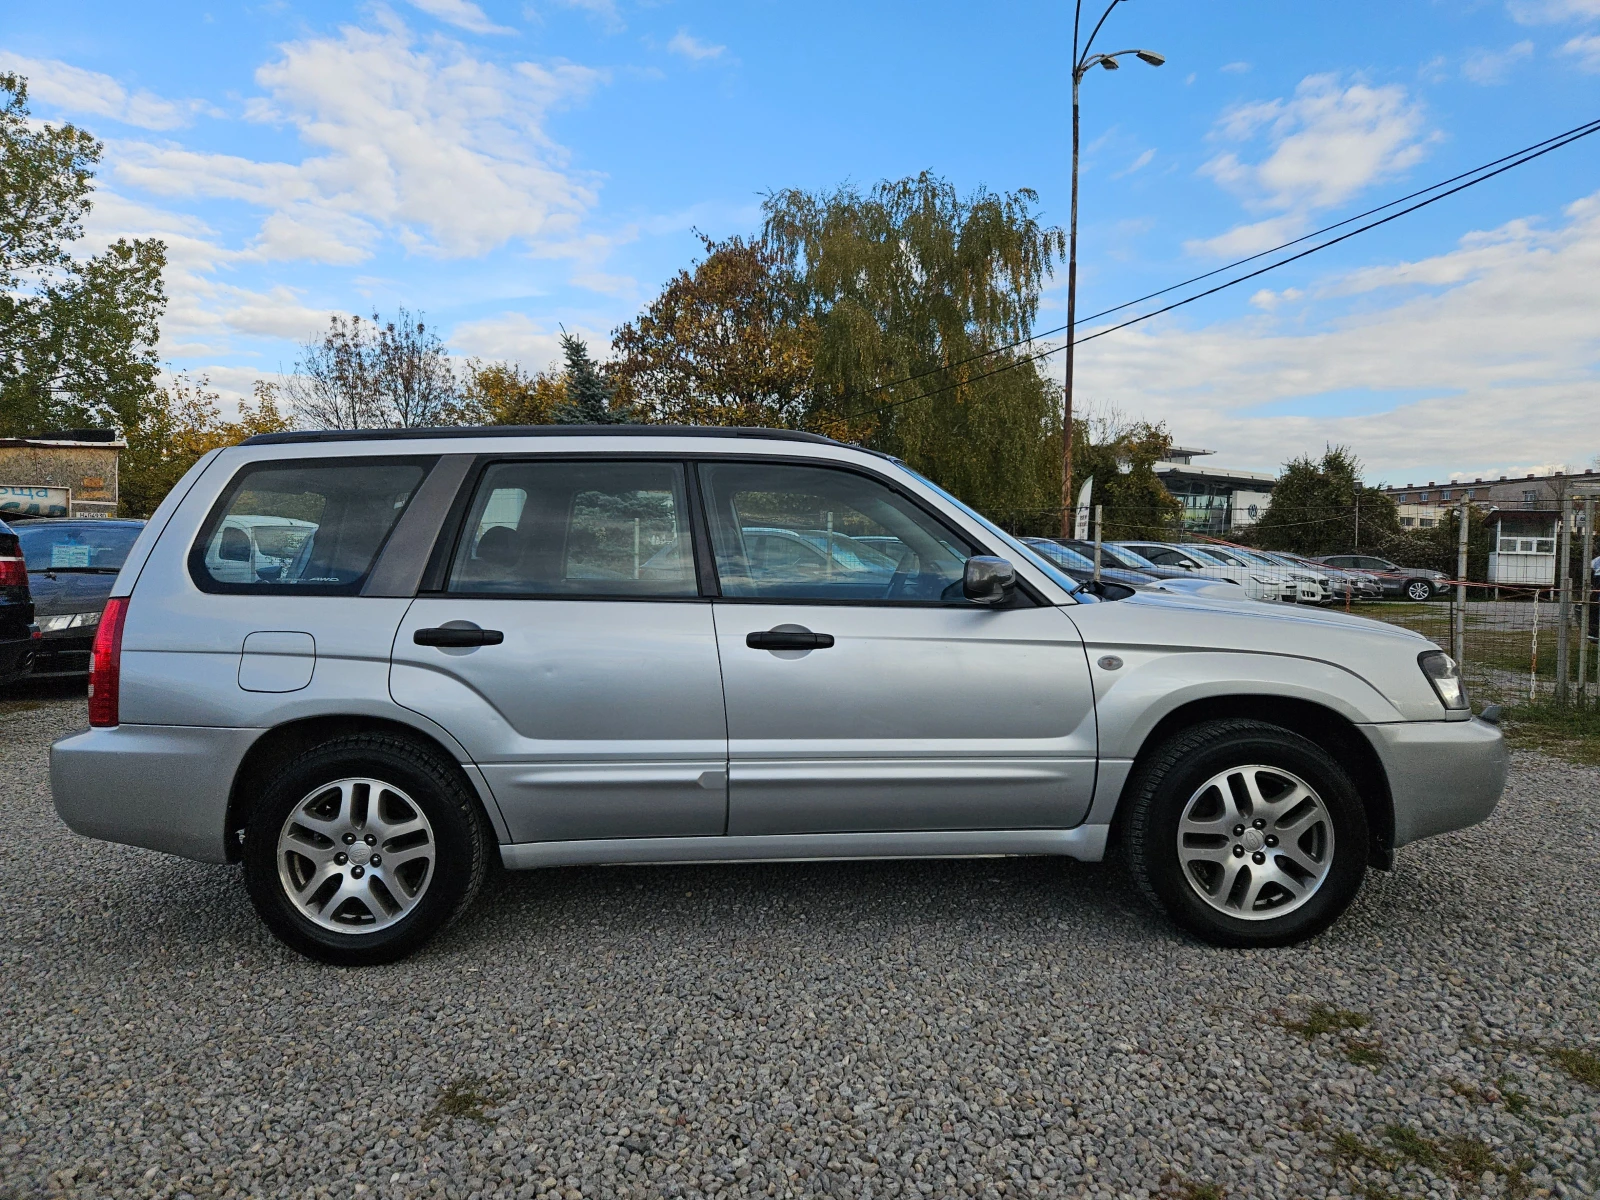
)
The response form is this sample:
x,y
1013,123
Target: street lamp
x,y
1082,61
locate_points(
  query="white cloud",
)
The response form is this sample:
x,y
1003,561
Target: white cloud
x,y
1490,66
693,48
463,14
519,338
1327,143
1138,164
1483,357
1236,68
79,91
1544,12
1586,49
603,11
446,153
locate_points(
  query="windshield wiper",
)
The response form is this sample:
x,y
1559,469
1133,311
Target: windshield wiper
x,y
75,570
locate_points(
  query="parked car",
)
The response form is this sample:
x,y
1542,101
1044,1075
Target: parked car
x,y
1128,560
1317,577
461,662
1259,583
1080,567
19,636
71,567
1352,584
1411,583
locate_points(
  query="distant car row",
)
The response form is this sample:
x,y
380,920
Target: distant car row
x,y
1262,574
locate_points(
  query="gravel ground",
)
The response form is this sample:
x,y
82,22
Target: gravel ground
x,y
971,1028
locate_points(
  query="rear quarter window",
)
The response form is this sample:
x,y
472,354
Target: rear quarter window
x,y
307,528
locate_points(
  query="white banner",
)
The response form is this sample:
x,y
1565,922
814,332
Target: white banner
x,y
27,500
1081,529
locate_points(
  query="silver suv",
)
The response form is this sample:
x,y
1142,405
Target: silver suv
x,y
363,664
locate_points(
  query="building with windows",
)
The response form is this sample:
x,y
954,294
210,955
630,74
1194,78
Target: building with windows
x,y
1216,500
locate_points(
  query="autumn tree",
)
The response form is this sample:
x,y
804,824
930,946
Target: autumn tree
x,y
505,394
78,333
726,343
910,292
371,374
180,423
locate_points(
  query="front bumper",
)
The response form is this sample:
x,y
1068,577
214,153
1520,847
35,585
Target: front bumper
x,y
16,658
1443,775
63,654
164,787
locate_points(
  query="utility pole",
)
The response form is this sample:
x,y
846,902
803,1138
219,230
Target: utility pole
x,y
1082,60
1357,546
1588,599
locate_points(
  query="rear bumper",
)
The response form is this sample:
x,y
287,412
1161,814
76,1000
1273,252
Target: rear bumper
x,y
1443,775
163,787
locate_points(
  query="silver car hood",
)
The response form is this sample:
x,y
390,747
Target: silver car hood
x,y
1151,625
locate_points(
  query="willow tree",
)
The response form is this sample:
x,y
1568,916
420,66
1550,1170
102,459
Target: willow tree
x,y
910,291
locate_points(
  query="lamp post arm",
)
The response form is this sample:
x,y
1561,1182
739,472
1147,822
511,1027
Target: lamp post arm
x,y
1083,59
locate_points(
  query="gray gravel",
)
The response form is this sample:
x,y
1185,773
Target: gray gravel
x,y
928,1029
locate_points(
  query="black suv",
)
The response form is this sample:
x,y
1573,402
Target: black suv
x,y
18,633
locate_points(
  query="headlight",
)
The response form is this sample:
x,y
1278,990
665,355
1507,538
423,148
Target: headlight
x,y
1268,580
1445,676
69,621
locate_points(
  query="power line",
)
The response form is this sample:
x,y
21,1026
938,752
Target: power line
x,y
1473,178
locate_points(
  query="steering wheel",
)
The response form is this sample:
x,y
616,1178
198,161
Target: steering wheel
x,y
902,577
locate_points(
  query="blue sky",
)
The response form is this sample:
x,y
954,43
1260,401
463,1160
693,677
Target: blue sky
x,y
506,167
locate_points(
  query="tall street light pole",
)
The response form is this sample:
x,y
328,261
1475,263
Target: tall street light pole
x,y
1082,62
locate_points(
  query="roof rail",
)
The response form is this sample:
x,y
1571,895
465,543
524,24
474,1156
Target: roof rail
x,y
482,431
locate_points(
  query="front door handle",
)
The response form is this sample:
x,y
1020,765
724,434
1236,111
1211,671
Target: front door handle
x,y
447,635
782,639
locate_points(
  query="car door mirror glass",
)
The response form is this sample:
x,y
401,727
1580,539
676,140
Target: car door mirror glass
x,y
989,581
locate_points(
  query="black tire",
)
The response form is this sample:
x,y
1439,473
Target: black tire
x,y
1161,789
1419,589
461,841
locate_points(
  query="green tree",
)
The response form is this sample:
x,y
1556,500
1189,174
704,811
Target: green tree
x,y
588,398
909,290
724,344
77,334
372,374
1120,455
1322,507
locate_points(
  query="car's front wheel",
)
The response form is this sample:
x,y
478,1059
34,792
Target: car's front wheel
x,y
1245,833
1419,589
362,847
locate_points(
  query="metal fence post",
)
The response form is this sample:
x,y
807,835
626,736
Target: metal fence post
x,y
1097,541
1588,599
1564,608
1458,641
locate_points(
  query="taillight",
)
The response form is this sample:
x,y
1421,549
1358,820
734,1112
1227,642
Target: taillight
x,y
105,664
13,572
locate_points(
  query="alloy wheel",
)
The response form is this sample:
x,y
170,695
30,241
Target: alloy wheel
x,y
1255,842
356,855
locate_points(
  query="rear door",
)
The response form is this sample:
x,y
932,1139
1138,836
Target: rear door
x,y
864,692
569,650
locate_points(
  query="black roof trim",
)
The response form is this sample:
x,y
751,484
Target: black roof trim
x,y
480,431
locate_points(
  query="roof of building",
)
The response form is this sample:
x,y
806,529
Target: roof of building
x,y
1224,474
64,441
1585,476
481,431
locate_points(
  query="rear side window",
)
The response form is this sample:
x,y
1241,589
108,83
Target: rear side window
x,y
577,529
308,528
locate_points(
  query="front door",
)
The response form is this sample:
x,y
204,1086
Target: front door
x,y
864,692
572,655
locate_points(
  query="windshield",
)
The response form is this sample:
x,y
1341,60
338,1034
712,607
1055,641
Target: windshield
x,y
1131,559
1022,549
1062,555
77,545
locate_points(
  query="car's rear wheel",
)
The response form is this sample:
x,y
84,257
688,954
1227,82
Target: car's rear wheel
x,y
362,848
1419,589
1246,834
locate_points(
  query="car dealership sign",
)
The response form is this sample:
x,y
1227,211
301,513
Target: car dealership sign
x,y
28,500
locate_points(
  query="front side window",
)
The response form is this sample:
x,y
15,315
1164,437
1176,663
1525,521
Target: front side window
x,y
313,528
790,532
595,529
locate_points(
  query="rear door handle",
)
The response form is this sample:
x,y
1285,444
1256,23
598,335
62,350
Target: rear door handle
x,y
445,635
778,639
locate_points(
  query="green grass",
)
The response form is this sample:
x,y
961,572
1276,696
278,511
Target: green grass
x,y
1566,732
1580,1064
463,1099
1365,1054
1321,1018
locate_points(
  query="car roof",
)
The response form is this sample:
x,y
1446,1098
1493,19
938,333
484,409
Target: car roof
x,y
497,431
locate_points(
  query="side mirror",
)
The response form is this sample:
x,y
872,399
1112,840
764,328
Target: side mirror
x,y
988,580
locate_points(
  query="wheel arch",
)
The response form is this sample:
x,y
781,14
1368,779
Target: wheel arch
x,y
282,743
1331,730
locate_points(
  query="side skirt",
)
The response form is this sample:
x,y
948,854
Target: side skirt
x,y
1086,842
